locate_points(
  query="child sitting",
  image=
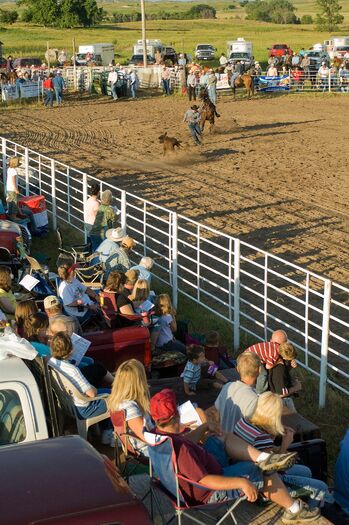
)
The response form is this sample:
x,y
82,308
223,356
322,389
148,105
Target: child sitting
x,y
215,352
192,374
141,304
167,325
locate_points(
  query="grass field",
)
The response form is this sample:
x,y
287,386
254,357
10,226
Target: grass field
x,y
26,40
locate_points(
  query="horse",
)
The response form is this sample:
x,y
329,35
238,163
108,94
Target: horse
x,y
8,78
208,110
245,80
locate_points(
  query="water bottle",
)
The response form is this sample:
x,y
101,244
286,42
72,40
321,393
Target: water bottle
x,y
8,330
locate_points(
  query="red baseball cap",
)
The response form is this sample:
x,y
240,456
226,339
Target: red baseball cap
x,y
163,406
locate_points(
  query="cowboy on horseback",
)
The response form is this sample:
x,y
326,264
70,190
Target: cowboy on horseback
x,y
208,110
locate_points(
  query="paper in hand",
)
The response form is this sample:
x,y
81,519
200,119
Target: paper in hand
x,y
188,414
80,346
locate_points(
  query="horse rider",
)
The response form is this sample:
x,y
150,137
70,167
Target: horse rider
x,y
237,72
192,118
9,64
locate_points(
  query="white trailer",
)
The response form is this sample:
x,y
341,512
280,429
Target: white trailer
x,y
106,52
153,46
337,46
239,46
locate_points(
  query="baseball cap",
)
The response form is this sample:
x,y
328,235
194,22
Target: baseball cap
x,y
51,301
163,406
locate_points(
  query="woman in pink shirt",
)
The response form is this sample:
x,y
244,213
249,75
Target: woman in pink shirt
x,y
91,208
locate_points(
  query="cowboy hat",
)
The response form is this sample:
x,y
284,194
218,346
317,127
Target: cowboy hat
x,y
115,234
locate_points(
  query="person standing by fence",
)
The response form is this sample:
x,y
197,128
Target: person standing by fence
x,y
165,77
191,85
59,85
48,89
113,81
211,87
134,83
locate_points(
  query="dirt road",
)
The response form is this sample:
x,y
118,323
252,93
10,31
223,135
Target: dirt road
x,y
274,172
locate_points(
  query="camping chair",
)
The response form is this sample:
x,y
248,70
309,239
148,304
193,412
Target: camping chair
x,y
166,480
79,252
91,276
112,317
131,455
64,390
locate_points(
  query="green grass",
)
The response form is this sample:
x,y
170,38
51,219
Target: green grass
x,y
25,40
332,426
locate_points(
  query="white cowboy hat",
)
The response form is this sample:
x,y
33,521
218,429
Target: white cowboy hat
x,y
115,234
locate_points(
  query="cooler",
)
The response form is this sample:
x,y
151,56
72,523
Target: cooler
x,y
37,204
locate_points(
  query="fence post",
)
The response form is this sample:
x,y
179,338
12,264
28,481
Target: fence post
x,y
237,250
26,166
53,194
174,260
3,150
329,80
84,198
123,210
324,342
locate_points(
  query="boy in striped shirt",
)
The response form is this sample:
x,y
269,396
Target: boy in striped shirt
x,y
192,374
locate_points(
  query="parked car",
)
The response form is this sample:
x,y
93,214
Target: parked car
x,y
246,57
64,481
279,50
205,52
27,62
137,60
170,54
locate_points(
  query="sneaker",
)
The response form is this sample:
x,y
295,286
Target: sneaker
x,y
275,462
107,436
304,515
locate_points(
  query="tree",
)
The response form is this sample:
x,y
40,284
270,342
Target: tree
x,y
282,12
306,19
8,17
63,13
258,10
201,11
329,17
44,12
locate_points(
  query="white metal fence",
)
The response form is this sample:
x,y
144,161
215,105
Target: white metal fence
x,y
253,290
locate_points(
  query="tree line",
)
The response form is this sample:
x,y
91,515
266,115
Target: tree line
x,y
197,11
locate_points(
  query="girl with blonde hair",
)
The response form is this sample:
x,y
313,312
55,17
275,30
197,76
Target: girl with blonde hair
x,y
24,310
262,428
130,392
167,325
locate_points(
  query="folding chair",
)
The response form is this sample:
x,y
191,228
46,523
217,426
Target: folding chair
x,y
163,463
65,390
111,316
127,449
80,253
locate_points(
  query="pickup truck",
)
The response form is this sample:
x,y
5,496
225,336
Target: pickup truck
x,y
56,479
64,481
279,50
205,52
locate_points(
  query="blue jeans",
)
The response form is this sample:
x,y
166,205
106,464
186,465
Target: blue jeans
x,y
262,380
95,408
48,97
212,93
174,346
195,133
58,93
300,476
95,241
166,86
133,90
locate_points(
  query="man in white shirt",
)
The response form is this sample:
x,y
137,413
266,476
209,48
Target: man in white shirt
x,y
272,71
112,80
323,74
223,60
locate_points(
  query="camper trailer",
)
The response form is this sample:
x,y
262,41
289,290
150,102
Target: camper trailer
x,y
101,54
153,46
239,49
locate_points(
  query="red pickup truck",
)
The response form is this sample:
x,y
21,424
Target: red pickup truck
x,y
64,481
279,50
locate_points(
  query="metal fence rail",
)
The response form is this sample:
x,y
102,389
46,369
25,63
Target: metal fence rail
x,y
253,290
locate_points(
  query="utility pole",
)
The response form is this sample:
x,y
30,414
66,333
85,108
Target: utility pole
x,y
144,38
48,56
74,66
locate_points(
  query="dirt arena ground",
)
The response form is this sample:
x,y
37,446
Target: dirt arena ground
x,y
274,172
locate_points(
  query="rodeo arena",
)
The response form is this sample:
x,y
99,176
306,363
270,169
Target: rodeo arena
x,y
174,300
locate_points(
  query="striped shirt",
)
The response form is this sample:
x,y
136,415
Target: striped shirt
x,y
191,375
253,435
268,352
74,375
133,411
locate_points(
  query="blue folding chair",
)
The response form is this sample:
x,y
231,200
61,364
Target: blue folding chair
x,y
165,478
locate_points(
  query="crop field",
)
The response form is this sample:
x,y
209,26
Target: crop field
x,y
22,39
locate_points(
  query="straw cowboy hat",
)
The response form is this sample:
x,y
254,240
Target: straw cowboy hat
x,y
115,234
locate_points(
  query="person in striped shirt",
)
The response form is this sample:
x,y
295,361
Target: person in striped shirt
x,y
269,353
192,374
260,430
